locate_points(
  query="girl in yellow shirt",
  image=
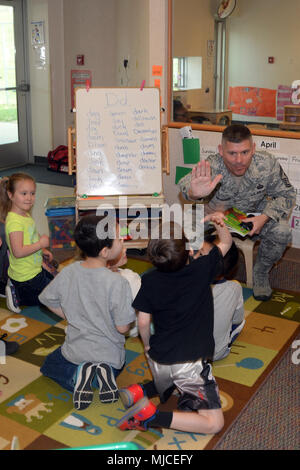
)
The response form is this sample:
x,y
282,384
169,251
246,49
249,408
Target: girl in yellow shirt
x,y
27,278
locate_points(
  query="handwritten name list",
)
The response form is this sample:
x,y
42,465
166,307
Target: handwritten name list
x,y
119,142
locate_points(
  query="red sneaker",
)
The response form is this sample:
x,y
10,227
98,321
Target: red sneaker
x,y
138,416
131,395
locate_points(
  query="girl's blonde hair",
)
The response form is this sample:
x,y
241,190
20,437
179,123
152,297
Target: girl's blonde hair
x,y
8,184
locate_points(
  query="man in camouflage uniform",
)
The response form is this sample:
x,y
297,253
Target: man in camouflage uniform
x,y
253,182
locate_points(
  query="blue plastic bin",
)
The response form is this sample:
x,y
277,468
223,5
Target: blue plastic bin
x,y
60,212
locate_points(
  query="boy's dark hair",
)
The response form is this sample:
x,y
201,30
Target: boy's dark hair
x,y
230,260
86,237
236,133
169,254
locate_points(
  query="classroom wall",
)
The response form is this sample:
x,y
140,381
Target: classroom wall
x,y
39,76
132,42
257,30
57,71
89,29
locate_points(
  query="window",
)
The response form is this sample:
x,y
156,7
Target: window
x,y
187,73
179,73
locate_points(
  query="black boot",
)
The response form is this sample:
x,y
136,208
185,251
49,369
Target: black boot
x,y
269,252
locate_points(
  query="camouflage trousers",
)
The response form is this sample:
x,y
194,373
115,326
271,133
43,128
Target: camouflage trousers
x,y
274,238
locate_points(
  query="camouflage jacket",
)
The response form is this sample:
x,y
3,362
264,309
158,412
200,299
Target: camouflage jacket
x,y
264,188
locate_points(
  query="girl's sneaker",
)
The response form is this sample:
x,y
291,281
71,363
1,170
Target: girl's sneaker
x,y
138,416
131,395
12,301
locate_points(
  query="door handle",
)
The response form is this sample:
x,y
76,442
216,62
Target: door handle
x,y
23,87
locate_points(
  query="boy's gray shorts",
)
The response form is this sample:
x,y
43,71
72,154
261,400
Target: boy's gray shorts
x,y
194,380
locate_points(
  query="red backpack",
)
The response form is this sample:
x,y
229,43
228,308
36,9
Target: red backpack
x,y
58,159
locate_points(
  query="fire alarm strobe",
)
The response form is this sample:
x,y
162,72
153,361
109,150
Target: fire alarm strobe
x,y
80,59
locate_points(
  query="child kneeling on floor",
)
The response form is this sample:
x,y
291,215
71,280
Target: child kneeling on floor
x,y
178,296
228,300
134,280
96,302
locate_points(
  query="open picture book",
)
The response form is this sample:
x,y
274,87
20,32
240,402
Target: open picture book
x,y
234,221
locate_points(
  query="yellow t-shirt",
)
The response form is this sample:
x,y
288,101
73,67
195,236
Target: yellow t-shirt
x,y
23,269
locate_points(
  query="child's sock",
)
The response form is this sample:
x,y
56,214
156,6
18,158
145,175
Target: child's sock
x,y
149,389
144,415
162,419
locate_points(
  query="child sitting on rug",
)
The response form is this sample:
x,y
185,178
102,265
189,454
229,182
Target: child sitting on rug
x,y
228,300
132,277
27,277
178,296
96,302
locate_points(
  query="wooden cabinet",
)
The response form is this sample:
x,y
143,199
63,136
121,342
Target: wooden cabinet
x,y
291,118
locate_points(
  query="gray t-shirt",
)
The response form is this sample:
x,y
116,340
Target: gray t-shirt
x,y
94,301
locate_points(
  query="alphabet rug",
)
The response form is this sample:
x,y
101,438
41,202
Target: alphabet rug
x,y
40,414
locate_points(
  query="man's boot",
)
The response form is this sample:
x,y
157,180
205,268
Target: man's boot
x,y
261,285
268,254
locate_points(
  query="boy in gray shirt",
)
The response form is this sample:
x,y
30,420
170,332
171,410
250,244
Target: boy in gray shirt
x,y
96,302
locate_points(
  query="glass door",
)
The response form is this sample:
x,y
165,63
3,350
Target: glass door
x,y
14,89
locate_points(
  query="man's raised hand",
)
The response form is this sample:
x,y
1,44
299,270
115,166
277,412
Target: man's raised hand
x,y
201,183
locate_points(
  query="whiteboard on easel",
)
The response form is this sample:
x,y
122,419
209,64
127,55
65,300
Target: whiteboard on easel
x,y
118,141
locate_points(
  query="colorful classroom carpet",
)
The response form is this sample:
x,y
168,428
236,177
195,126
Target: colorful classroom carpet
x,y
41,414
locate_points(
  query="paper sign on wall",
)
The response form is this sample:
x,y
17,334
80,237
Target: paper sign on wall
x,y
181,171
157,70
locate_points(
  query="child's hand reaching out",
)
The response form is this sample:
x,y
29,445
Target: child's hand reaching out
x,y
217,218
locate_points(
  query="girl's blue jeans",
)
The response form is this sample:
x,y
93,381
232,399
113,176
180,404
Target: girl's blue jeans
x,y
28,291
63,372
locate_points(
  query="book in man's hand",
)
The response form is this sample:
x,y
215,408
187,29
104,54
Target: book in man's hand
x,y
234,221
